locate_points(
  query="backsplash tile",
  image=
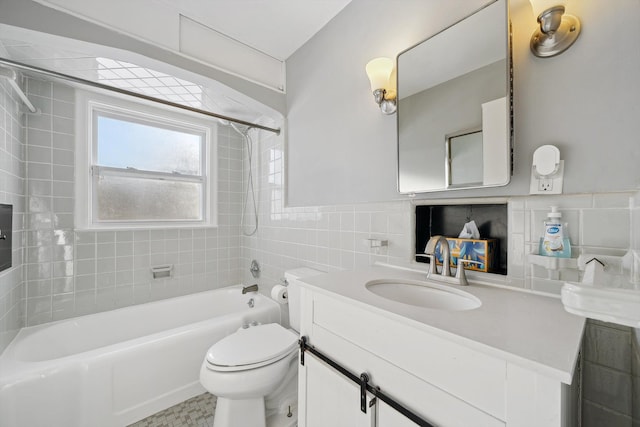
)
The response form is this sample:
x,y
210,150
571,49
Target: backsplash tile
x,y
598,224
606,227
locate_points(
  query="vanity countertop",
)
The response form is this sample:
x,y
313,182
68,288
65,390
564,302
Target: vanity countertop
x,y
528,329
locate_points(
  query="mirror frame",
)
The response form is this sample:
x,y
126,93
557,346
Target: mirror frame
x,y
510,119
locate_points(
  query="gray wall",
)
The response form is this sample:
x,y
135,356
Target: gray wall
x,y
343,150
448,108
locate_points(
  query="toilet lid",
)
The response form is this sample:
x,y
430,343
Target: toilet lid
x,y
253,345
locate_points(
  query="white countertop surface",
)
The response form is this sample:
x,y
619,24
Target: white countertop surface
x,y
528,329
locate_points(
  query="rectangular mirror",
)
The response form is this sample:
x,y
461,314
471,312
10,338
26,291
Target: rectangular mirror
x,y
455,104
463,150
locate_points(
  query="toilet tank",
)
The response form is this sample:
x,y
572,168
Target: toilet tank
x,y
294,277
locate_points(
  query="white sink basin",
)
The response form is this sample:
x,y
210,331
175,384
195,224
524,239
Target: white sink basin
x,y
608,304
424,294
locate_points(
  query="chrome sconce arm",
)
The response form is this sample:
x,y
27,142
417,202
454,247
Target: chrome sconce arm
x,y
387,106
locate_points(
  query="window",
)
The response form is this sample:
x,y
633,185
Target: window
x,y
141,166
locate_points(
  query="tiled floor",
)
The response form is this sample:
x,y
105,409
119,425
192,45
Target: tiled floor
x,y
195,412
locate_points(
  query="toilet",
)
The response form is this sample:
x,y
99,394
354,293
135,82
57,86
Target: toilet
x,y
254,371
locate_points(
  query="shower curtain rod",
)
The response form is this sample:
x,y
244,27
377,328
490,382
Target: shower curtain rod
x,y
55,74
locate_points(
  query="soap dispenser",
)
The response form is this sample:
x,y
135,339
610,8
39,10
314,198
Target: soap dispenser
x,y
555,240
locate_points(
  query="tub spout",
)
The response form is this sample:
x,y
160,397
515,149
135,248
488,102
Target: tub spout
x,y
252,288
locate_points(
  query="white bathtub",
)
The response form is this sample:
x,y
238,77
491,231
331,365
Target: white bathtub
x,y
117,367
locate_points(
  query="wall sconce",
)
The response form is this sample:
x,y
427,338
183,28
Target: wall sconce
x,y
557,31
382,74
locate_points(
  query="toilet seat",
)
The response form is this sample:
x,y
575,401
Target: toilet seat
x,y
251,348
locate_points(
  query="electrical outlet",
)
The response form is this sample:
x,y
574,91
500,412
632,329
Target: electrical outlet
x,y
545,185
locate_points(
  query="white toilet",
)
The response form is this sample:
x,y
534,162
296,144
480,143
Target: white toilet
x,y
254,371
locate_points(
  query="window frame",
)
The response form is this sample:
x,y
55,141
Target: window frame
x,y
88,106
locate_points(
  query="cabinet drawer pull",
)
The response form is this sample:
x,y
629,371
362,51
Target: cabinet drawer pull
x,y
364,382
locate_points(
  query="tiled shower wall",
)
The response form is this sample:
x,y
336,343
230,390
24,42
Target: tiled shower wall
x,y
12,173
49,192
69,272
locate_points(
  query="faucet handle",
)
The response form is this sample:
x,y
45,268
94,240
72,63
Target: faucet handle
x,y
432,262
460,274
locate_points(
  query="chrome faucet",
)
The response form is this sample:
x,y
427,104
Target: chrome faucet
x,y
445,275
446,255
252,288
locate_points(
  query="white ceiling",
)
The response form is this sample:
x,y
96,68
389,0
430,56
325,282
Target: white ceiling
x,y
266,32
246,38
275,27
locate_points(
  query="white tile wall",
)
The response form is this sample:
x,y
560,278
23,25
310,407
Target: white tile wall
x,y
12,174
49,193
70,272
597,224
328,238
334,237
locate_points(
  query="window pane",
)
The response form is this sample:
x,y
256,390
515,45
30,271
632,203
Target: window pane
x,y
123,143
135,199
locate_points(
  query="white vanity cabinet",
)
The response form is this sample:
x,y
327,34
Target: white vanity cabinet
x,y
441,379
339,398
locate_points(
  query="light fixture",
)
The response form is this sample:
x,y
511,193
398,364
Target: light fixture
x,y
382,74
557,31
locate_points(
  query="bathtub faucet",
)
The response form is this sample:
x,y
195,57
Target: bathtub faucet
x,y
252,288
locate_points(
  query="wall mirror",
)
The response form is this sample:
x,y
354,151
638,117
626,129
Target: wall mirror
x,y
454,106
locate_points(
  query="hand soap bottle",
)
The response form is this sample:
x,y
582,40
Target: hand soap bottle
x,y
555,240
